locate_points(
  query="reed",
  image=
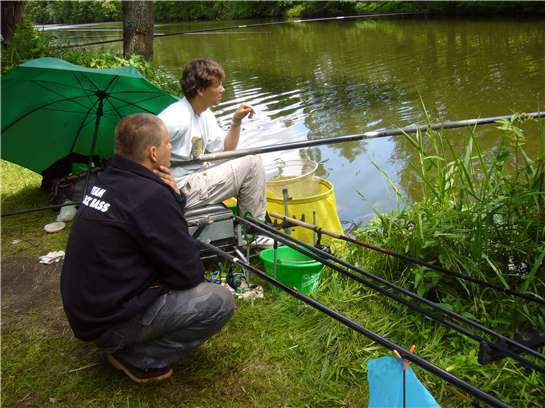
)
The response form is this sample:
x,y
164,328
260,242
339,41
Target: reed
x,y
479,213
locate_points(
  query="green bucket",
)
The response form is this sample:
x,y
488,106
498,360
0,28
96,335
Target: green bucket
x,y
293,269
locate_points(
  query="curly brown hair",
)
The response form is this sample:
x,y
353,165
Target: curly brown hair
x,y
198,74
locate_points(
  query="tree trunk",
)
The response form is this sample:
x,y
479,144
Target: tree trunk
x,y
138,18
12,11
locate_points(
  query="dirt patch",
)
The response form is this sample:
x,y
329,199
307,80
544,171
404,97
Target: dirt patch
x,y
28,285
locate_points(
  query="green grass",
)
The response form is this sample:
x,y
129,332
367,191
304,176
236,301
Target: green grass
x,y
23,235
274,352
477,214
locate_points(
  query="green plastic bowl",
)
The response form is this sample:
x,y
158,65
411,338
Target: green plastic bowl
x,y
293,269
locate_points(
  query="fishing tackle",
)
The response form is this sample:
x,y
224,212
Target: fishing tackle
x,y
451,319
406,354
292,221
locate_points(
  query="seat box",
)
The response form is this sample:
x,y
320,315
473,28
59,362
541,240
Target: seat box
x,y
211,223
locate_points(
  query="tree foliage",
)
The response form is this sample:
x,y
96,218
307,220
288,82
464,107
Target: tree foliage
x,y
44,12
73,12
27,43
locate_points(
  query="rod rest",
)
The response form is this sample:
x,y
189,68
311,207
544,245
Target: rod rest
x,y
488,353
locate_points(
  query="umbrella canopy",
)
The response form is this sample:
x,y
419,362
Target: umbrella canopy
x,y
52,109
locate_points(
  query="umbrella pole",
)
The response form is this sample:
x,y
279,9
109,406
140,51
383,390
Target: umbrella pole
x,y
100,112
404,388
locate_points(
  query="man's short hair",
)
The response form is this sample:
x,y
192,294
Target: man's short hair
x,y
134,133
200,73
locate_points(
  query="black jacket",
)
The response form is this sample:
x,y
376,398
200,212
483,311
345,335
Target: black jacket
x,y
128,245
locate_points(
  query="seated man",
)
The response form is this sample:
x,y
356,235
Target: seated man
x,y
132,280
193,129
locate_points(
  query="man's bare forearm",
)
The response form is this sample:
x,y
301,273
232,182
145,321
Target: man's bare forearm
x,y
231,140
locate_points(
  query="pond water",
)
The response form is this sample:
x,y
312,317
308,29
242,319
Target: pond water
x,y
324,79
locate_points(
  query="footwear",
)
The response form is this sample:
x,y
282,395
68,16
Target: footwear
x,y
260,241
138,375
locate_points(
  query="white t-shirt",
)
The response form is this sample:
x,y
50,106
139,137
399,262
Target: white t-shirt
x,y
191,135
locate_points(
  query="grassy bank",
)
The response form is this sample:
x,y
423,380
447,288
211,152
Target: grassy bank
x,y
276,351
481,214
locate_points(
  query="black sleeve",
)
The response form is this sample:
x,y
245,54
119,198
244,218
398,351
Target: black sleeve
x,y
164,237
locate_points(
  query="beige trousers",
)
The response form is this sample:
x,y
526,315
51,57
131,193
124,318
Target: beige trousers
x,y
243,178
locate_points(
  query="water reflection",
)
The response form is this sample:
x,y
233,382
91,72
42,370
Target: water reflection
x,y
325,79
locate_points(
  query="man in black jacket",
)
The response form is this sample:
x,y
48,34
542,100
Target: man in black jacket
x,y
132,280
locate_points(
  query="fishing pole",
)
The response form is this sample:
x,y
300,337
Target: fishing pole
x,y
48,207
426,365
407,258
316,253
374,134
232,154
210,30
325,257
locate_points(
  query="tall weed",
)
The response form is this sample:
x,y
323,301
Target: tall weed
x,y
481,214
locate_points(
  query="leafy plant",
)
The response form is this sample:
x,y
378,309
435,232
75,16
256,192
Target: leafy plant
x,y
27,43
478,214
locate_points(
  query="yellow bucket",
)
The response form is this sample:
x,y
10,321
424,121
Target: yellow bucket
x,y
322,203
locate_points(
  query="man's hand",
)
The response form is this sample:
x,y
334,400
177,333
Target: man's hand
x,y
242,111
231,140
167,177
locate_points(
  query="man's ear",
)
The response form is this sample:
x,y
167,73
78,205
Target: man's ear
x,y
200,91
152,153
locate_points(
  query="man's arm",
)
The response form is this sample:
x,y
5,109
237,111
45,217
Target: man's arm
x,y
164,237
231,140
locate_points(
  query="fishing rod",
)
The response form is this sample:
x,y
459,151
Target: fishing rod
x,y
232,154
374,134
47,207
231,27
426,365
325,257
407,258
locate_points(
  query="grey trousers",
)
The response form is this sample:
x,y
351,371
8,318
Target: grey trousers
x,y
243,178
171,328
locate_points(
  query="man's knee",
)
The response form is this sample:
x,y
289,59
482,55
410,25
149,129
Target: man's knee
x,y
223,299
213,302
251,163
257,164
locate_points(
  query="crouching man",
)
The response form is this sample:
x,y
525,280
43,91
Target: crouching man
x,y
132,280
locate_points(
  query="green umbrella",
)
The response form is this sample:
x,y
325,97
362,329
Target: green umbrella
x,y
52,109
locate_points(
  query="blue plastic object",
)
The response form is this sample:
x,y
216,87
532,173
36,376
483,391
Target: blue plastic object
x,y
385,375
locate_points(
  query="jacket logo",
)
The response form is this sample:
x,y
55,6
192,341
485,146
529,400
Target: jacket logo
x,y
95,202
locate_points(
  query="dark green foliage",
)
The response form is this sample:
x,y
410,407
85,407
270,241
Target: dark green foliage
x,y
73,12
27,43
169,11
46,12
159,77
